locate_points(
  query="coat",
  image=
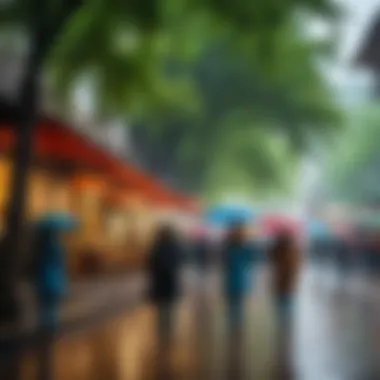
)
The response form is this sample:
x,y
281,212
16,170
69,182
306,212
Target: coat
x,y
237,261
164,271
50,271
285,266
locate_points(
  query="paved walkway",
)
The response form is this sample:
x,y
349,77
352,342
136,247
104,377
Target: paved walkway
x,y
85,300
336,336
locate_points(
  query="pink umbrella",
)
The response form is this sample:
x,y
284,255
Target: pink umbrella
x,y
273,224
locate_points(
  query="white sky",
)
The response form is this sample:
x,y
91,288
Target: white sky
x,y
357,19
350,83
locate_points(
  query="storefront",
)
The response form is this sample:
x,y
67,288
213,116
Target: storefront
x,y
116,204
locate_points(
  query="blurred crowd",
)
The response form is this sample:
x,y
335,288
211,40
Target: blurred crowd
x,y
359,251
235,256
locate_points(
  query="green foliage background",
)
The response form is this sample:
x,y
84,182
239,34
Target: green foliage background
x,y
354,166
222,95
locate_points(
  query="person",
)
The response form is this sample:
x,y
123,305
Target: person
x,y
238,257
164,271
284,259
49,271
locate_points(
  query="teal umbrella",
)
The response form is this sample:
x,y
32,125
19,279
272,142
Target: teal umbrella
x,y
317,229
57,221
223,215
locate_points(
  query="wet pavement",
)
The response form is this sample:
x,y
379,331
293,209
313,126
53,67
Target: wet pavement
x,y
84,299
335,336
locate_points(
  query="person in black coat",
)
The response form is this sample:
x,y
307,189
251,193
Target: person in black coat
x,y
164,270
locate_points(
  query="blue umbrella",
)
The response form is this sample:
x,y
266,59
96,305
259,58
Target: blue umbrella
x,y
317,229
223,215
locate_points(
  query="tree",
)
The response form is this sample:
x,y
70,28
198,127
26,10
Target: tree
x,y
88,34
180,63
353,169
246,103
42,31
44,25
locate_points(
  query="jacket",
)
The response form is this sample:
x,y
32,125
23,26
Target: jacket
x,y
50,273
238,260
285,265
164,264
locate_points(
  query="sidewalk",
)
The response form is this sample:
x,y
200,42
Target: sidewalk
x,y
88,302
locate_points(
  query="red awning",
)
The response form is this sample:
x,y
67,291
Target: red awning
x,y
54,140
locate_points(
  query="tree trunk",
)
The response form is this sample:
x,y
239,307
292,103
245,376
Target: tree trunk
x,y
12,243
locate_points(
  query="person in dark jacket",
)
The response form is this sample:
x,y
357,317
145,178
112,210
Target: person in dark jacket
x,y
164,271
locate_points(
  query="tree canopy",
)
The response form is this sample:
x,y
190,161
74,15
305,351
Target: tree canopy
x,y
354,165
210,84
247,107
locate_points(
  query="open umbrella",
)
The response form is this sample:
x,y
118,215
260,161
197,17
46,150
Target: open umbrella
x,y
224,215
57,221
274,224
317,229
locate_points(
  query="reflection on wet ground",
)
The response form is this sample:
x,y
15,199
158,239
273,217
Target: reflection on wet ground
x,y
335,337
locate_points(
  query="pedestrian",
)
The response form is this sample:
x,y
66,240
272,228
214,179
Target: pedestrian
x,y
238,258
49,267
284,259
49,274
164,270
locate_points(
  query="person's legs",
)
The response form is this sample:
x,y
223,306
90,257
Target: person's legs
x,y
235,307
48,325
164,321
284,306
49,314
235,311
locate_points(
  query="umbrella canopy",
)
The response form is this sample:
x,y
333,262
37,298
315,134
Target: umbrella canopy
x,y
224,215
317,229
57,221
273,224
